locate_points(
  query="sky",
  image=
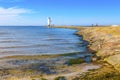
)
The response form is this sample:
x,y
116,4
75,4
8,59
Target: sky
x,y
62,12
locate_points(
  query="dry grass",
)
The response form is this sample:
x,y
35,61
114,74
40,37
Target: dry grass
x,y
107,30
104,73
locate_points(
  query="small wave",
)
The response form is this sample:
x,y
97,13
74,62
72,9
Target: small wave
x,y
53,39
10,41
2,33
27,46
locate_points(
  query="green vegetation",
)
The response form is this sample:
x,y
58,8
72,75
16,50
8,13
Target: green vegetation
x,y
43,79
106,76
92,70
104,73
60,78
75,61
69,54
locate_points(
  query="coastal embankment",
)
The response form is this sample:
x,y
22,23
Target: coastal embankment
x,y
104,42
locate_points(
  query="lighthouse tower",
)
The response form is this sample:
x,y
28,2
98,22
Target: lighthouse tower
x,y
49,21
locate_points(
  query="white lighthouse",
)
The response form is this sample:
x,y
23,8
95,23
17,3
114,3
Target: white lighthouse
x,y
49,21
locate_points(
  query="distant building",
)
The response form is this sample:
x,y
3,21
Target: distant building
x,y
96,25
92,25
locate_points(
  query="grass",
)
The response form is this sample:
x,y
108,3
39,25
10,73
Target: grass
x,y
75,61
69,54
60,78
104,73
43,79
107,30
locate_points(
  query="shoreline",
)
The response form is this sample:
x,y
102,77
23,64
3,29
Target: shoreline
x,y
36,67
104,42
77,71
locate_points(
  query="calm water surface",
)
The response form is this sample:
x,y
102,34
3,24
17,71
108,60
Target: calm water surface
x,y
35,40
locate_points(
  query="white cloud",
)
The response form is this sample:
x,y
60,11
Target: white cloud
x,y
12,15
13,11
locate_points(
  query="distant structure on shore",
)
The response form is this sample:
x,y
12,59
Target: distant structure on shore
x,y
49,21
114,25
96,25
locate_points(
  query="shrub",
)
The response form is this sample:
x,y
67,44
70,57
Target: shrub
x,y
75,61
60,78
43,79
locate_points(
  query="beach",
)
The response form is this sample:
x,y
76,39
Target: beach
x,y
103,43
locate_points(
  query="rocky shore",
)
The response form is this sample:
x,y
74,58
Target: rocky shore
x,y
104,42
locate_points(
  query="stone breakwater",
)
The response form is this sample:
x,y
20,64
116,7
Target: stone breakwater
x,y
104,42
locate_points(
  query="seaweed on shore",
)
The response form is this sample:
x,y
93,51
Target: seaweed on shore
x,y
104,73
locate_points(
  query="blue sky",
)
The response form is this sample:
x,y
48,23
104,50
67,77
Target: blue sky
x,y
63,12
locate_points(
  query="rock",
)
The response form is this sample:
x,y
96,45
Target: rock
x,y
114,60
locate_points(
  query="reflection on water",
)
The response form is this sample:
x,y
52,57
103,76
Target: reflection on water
x,y
34,40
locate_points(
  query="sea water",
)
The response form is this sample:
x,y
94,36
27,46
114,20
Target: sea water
x,y
37,40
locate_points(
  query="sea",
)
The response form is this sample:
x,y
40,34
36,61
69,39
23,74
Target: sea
x,y
39,40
